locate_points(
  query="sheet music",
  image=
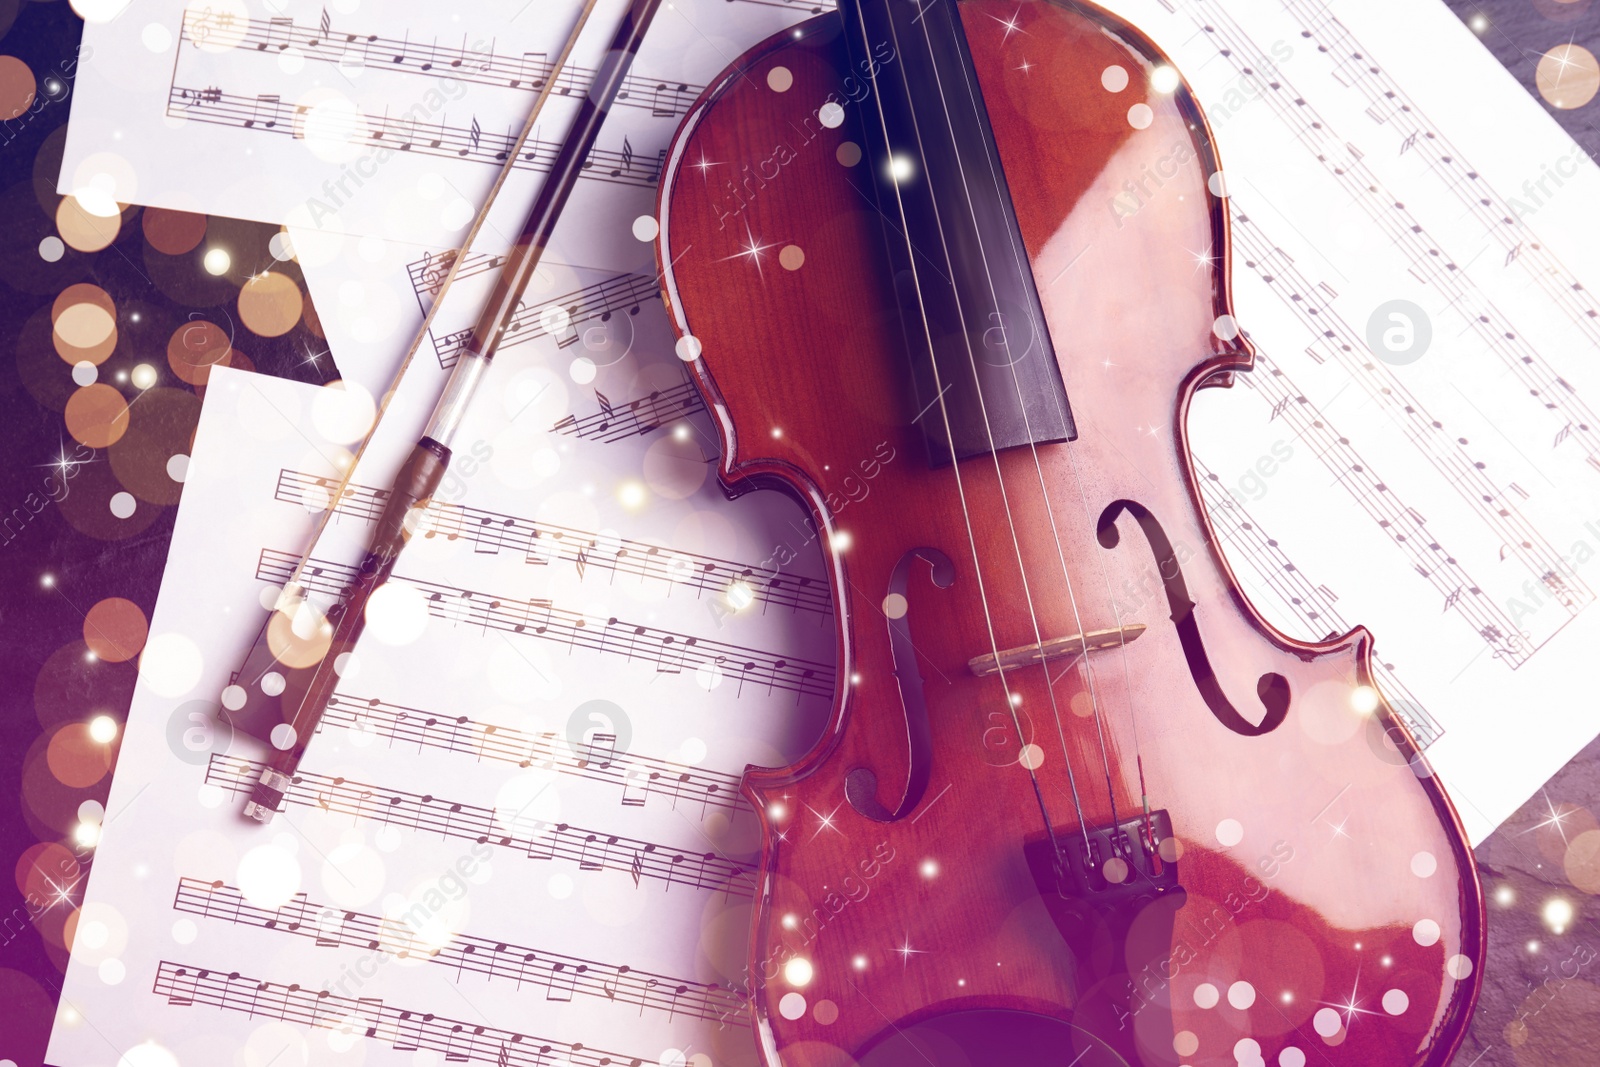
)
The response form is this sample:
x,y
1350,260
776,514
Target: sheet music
x,y
518,838
1451,504
1461,486
1458,483
385,120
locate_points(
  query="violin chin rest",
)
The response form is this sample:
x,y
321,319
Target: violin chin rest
x,y
988,1037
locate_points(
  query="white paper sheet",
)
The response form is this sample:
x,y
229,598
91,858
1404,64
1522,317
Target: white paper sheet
x,y
1317,252
522,814
1449,504
384,120
1440,528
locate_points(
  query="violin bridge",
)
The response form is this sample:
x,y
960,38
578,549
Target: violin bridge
x,y
1073,645
1104,874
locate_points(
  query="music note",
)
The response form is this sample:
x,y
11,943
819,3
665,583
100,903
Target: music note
x,y
560,983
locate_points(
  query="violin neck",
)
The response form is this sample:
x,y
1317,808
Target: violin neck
x,y
982,370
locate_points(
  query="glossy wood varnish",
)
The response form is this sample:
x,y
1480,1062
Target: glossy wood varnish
x,y
1324,866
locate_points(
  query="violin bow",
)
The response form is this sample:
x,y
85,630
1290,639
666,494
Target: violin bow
x,y
282,702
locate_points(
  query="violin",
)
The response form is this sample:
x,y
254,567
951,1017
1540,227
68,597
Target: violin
x,y
950,273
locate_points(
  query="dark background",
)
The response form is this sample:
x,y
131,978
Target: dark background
x,y
78,583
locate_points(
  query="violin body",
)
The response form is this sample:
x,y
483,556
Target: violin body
x,y
1250,861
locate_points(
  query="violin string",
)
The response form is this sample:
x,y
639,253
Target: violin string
x,y
1005,495
1020,261
955,466
1122,643
1116,612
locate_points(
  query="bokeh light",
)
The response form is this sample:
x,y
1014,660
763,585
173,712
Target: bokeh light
x,y
84,324
197,346
1567,76
97,415
115,629
162,425
270,304
83,228
17,87
173,232
75,758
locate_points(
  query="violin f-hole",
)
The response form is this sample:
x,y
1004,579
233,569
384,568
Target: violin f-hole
x,y
861,784
1271,688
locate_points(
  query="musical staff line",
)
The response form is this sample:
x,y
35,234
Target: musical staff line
x,y
1403,526
562,318
562,977
632,418
663,98
668,652
544,543
405,1031
598,760
1446,451
266,112
1234,525
1430,263
591,850
1510,229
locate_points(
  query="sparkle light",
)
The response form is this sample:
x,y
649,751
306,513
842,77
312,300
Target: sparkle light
x,y
1010,24
798,972
859,963
901,168
1533,946
825,822
1505,896
740,596
103,729
86,834
840,540
1288,997
752,251
1554,819
1558,914
704,165
777,431
930,868
1350,1007
217,261
680,432
855,679
906,951
631,494
1364,699
776,810
1479,23
1163,79
790,922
